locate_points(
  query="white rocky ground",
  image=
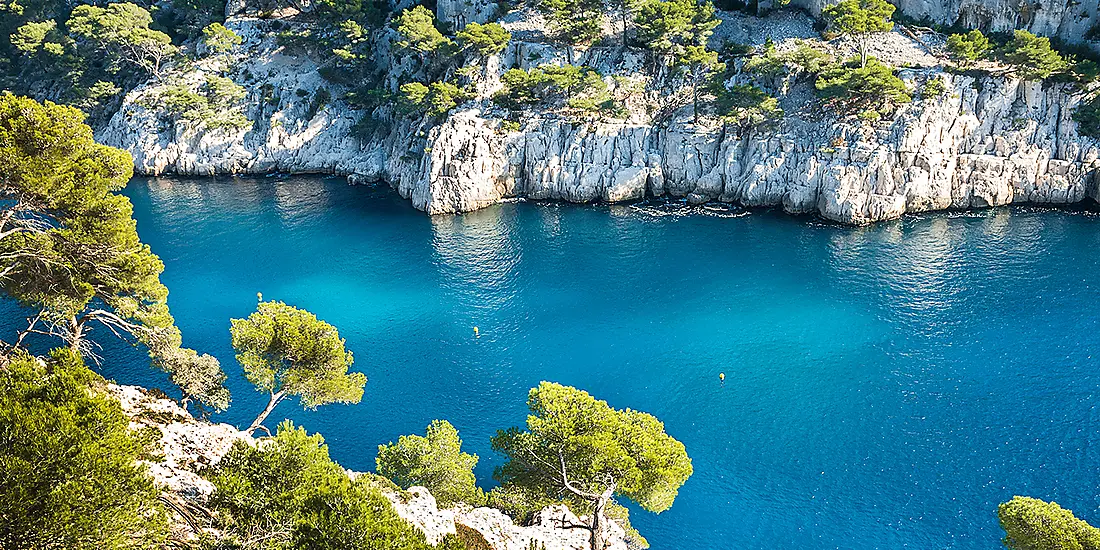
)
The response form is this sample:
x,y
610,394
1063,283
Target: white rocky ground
x,y
988,141
189,444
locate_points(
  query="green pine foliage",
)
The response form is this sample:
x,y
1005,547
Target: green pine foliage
x,y
747,106
418,31
286,493
70,478
575,87
577,448
670,26
435,99
435,461
872,86
215,106
286,351
69,248
574,21
860,19
969,47
219,39
488,39
1032,56
1032,524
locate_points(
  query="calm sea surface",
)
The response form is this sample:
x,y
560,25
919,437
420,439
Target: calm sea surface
x,y
885,387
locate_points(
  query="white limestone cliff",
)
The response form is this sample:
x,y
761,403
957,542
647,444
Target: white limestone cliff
x,y
987,141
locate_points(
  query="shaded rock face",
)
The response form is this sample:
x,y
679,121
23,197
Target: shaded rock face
x,y
1070,21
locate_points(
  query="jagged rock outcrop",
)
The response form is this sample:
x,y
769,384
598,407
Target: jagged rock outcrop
x,y
549,528
187,445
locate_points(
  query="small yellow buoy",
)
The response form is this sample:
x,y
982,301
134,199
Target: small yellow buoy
x,y
722,376
259,296
476,335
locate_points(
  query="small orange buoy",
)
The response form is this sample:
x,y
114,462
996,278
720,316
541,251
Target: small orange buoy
x,y
722,376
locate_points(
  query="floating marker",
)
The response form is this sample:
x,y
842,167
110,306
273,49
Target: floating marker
x,y
259,296
476,335
722,376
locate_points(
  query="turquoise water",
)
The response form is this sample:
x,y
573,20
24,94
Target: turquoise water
x,y
885,387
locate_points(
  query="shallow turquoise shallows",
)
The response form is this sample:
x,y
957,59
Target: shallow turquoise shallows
x,y
885,387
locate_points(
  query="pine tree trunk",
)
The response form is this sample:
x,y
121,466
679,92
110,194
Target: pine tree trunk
x,y
271,404
599,520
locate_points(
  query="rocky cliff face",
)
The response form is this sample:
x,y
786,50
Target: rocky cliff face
x,y
188,445
987,141
1069,21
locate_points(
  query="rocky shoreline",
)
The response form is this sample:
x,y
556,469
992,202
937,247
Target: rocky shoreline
x,y
187,445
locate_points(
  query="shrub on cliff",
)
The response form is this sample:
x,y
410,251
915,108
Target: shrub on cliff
x,y
486,40
435,461
872,86
969,47
1087,117
747,106
1032,524
285,492
574,21
120,33
581,450
218,39
435,99
418,32
1031,56
68,460
576,87
670,26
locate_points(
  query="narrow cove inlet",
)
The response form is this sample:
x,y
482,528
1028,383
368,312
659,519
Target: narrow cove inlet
x,y
884,386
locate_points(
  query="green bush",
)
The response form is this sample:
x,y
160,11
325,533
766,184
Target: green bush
x,y
418,32
287,492
1032,56
486,40
435,461
873,86
969,47
435,99
70,477
933,88
768,63
577,87
1032,524
215,108
747,106
575,21
1087,117
218,39
669,26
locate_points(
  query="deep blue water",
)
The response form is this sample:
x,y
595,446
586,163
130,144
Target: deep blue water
x,y
885,387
